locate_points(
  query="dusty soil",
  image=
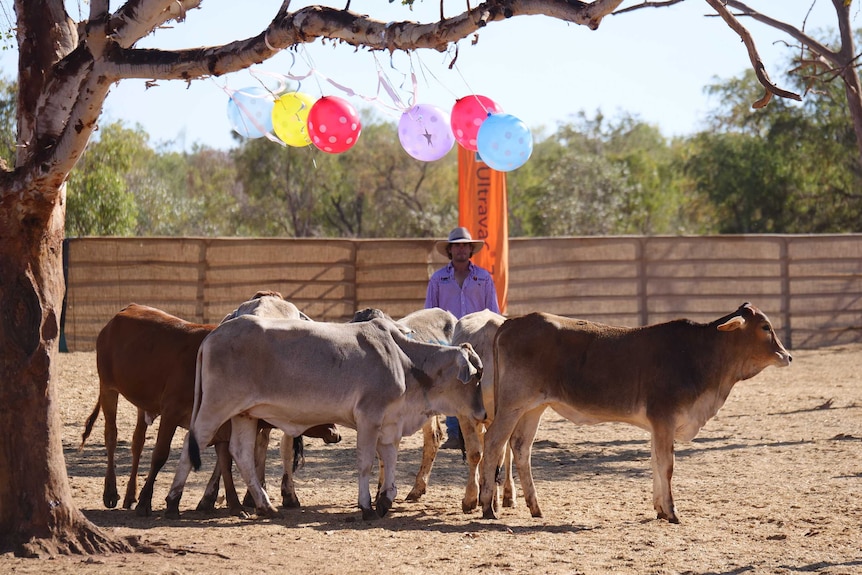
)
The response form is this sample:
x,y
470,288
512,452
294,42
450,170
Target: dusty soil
x,y
773,484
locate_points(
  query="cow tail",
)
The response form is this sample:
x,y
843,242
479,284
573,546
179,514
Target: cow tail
x,y
194,448
496,349
88,427
298,452
194,451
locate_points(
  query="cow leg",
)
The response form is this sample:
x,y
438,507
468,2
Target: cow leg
x,y
521,443
662,470
288,489
208,501
366,450
224,466
138,438
108,398
432,437
261,444
175,493
242,447
388,455
161,451
473,436
509,480
496,440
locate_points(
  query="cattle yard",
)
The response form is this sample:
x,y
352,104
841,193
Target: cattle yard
x,y
772,484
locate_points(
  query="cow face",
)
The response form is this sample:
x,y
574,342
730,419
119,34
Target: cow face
x,y
757,338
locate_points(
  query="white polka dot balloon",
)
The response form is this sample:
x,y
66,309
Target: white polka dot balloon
x,y
504,142
333,125
249,111
424,132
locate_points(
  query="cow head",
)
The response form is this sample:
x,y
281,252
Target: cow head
x,y
758,342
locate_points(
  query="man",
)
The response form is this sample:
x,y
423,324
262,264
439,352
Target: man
x,y
461,287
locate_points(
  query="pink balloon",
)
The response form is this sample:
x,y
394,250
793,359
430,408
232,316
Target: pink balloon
x,y
468,113
333,125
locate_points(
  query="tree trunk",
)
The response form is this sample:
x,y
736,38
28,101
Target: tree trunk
x,y
37,514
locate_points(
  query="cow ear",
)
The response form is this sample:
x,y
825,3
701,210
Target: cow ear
x,y
467,371
733,323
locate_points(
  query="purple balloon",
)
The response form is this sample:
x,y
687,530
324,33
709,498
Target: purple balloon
x,y
425,133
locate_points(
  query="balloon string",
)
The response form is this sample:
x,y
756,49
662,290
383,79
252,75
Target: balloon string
x,y
472,93
426,70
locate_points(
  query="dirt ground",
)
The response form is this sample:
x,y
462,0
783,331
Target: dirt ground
x,y
772,484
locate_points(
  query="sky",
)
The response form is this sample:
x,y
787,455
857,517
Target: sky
x,y
652,63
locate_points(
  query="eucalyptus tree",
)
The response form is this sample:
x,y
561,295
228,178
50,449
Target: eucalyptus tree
x,y
99,202
785,169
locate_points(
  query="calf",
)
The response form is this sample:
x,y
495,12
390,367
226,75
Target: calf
x,y
148,357
668,379
295,374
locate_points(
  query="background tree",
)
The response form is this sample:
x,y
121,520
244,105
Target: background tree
x,y
765,171
817,61
594,176
99,201
65,71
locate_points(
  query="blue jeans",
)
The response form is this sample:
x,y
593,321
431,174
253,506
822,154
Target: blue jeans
x,y
452,427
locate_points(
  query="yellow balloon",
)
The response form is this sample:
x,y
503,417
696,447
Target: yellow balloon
x,y
289,118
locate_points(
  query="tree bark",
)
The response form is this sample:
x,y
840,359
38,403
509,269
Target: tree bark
x,y
37,514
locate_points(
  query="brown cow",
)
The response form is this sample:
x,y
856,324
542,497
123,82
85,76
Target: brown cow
x,y
668,379
148,356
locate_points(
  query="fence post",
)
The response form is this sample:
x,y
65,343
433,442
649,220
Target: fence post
x,y
785,291
202,277
643,309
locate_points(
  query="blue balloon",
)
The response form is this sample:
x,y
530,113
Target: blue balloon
x,y
249,111
504,142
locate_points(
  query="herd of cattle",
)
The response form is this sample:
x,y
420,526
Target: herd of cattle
x,y
267,365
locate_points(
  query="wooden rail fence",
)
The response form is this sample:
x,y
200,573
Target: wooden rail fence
x,y
809,285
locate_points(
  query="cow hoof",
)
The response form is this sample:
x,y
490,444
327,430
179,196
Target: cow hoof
x,y
384,504
241,513
172,514
248,500
669,518
468,506
369,515
291,503
508,501
269,512
415,495
206,505
144,510
110,500
489,513
335,438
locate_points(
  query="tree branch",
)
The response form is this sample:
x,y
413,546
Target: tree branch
x,y
788,29
753,56
310,23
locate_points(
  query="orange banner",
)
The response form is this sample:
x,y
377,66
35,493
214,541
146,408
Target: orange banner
x,y
483,209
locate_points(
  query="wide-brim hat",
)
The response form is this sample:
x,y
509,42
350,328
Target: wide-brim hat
x,y
459,236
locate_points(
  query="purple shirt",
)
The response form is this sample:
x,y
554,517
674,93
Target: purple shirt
x,y
477,293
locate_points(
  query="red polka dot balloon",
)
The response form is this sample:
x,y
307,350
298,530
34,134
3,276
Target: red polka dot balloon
x,y
468,113
333,125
